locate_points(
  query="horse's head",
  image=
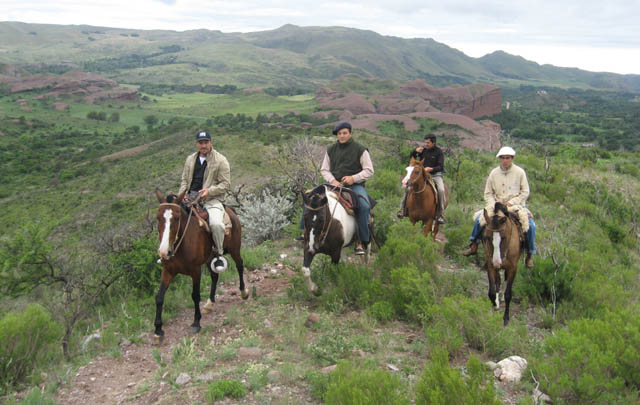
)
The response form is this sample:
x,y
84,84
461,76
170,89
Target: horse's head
x,y
316,216
169,216
496,230
417,176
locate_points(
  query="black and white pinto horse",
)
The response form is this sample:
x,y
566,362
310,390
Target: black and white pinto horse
x,y
328,228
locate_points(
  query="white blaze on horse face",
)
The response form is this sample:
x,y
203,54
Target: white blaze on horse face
x,y
409,169
497,260
163,250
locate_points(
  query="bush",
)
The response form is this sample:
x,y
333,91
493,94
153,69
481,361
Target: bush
x,y
411,293
28,339
353,285
142,271
442,384
225,388
382,311
349,385
541,283
263,217
593,360
384,184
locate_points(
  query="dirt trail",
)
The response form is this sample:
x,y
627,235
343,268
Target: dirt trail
x,y
108,380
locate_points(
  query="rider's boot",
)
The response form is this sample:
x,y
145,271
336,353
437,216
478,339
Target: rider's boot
x,y
471,250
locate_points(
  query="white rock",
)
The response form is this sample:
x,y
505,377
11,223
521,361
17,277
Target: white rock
x,y
512,368
183,379
283,256
540,397
491,365
393,368
267,323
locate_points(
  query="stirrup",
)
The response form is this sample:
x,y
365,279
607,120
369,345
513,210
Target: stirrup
x,y
218,264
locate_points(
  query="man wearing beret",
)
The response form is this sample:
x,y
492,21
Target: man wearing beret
x,y
207,172
348,164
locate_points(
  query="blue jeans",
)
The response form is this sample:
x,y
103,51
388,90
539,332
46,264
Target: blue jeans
x,y
362,213
476,234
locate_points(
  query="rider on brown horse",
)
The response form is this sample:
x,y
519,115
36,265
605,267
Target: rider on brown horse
x,y
433,162
506,184
207,172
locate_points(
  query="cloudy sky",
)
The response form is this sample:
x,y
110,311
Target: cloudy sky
x,y
588,34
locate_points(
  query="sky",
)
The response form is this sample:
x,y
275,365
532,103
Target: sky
x,y
599,36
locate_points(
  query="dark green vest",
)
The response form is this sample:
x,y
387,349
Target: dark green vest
x,y
344,158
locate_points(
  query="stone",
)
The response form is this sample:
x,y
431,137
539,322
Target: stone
x,y
249,353
491,365
273,376
206,377
393,368
267,323
312,319
125,344
512,368
328,369
183,379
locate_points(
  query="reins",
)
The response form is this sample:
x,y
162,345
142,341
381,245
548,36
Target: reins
x,y
176,247
325,230
423,188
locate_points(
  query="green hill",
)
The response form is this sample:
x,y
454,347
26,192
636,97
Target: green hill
x,y
290,56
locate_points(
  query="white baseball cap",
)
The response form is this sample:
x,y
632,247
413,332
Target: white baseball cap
x,y
506,151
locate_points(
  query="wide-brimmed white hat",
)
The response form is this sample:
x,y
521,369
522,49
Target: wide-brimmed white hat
x,y
506,151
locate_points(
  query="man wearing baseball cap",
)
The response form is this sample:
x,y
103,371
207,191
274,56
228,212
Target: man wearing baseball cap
x,y
508,185
207,172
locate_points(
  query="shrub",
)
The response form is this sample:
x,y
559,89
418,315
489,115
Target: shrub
x,y
382,311
442,384
142,272
384,184
330,347
546,282
27,341
593,360
263,217
353,285
318,383
411,293
349,384
225,388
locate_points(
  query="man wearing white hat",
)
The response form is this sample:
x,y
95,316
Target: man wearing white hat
x,y
508,185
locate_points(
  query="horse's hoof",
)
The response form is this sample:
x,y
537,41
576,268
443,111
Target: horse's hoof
x,y
158,339
194,329
244,293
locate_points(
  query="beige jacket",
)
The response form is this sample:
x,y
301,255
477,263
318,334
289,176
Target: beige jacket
x,y
217,175
506,186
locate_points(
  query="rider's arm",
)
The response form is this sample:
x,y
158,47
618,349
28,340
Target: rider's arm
x,y
223,183
521,198
367,168
439,166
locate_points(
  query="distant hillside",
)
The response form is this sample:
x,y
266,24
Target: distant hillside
x,y
291,57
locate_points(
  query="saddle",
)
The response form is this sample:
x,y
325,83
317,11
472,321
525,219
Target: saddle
x,y
193,202
346,197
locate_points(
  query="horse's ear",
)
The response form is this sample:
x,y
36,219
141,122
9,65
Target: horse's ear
x,y
160,197
486,216
413,161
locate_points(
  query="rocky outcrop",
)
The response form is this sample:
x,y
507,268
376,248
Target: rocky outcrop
x,y
354,102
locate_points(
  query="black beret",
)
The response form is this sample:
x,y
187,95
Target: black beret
x,y
341,126
203,136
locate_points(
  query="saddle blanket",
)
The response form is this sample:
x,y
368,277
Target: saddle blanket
x,y
523,216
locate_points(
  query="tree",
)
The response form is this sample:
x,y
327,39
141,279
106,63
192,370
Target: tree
x,y
150,120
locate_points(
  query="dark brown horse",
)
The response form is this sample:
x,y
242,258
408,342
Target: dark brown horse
x,y
421,198
184,247
502,249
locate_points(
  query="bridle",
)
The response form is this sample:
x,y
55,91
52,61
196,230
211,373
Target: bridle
x,y
175,247
325,230
425,182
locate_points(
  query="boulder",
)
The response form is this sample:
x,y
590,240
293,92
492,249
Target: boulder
x,y
511,369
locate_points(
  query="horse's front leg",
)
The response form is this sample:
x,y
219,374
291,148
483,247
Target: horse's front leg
x,y
494,290
510,275
195,296
240,266
165,280
427,228
306,272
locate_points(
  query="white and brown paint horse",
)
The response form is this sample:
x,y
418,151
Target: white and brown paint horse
x,y
184,247
503,249
328,229
422,200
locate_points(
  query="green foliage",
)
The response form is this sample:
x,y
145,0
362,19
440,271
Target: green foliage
x,y
385,183
36,396
330,347
366,384
257,376
461,319
406,245
547,282
352,285
593,360
411,292
28,339
442,384
382,311
318,383
142,271
220,389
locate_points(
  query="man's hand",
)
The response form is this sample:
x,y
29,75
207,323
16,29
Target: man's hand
x,y
204,193
428,169
508,204
336,183
419,149
347,180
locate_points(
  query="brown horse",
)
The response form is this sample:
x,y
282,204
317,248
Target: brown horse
x,y
184,247
421,198
502,251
